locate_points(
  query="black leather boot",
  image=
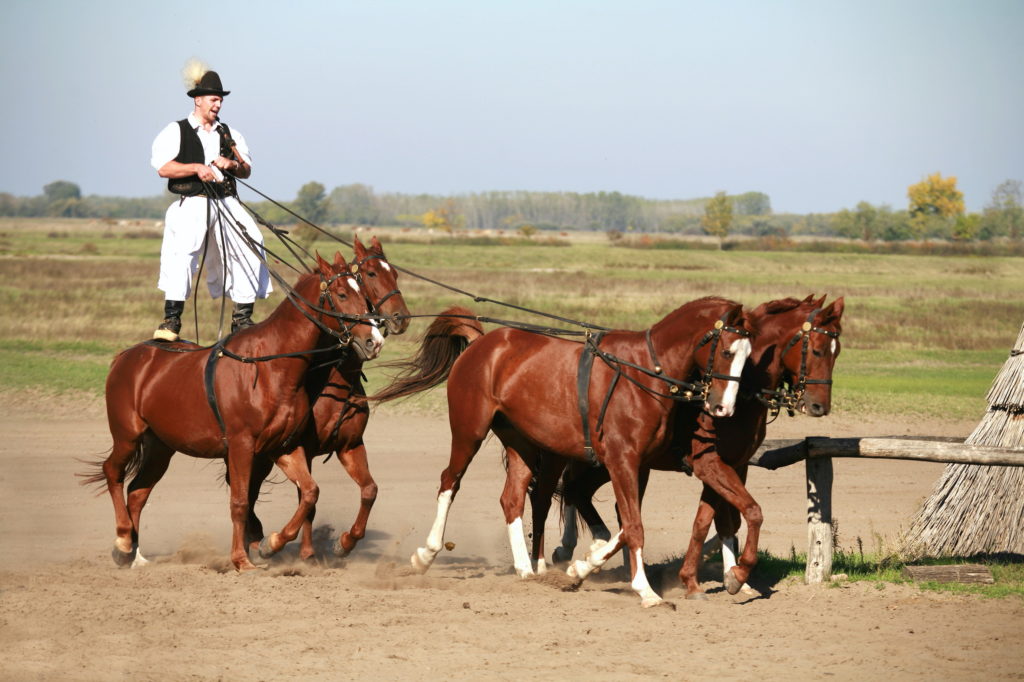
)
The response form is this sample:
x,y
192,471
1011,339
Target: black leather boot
x,y
241,316
169,328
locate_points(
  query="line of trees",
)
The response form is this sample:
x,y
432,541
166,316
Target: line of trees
x,y
935,211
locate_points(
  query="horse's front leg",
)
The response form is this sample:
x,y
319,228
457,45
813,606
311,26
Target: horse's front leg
x,y
691,562
625,482
295,467
724,480
356,465
240,460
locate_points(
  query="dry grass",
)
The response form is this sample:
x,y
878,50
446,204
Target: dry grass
x,y
93,285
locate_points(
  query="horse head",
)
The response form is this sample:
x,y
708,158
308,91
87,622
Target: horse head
x,y
722,352
343,308
380,285
809,356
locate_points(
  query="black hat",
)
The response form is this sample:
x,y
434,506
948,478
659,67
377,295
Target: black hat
x,y
209,84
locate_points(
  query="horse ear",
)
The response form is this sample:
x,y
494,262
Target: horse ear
x,y
360,249
834,311
324,266
375,244
735,315
808,299
338,258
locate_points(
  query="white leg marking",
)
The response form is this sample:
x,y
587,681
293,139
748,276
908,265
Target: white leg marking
x,y
730,550
520,554
598,555
648,597
423,557
542,566
139,559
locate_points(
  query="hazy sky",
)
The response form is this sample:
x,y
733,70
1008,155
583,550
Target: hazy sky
x,y
818,103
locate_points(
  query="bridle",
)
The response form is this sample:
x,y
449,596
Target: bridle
x,y
790,397
347,321
375,306
698,392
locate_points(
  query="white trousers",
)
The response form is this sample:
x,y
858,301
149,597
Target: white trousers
x,y
232,268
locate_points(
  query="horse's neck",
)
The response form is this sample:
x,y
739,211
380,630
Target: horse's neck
x,y
766,351
288,330
675,344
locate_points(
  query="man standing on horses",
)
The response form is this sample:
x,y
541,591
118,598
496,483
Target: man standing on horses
x,y
200,157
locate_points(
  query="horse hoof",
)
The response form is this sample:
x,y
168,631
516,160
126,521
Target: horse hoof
x,y
697,596
561,555
122,559
339,550
419,564
650,602
265,551
732,585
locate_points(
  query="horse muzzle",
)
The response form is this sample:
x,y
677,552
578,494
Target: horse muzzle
x,y
368,347
813,409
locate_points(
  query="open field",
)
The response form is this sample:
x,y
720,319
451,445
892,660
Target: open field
x,y
922,335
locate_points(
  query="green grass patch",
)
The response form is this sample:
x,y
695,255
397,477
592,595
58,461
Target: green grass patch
x,y
1007,572
54,367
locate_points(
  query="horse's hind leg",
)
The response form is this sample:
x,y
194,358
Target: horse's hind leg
x,y
513,502
261,468
691,562
581,483
125,542
467,436
355,463
155,458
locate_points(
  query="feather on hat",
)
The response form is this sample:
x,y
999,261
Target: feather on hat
x,y
201,80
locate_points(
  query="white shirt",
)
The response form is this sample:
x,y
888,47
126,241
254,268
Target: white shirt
x,y
168,143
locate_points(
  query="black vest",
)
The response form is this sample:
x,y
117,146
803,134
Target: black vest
x,y
191,151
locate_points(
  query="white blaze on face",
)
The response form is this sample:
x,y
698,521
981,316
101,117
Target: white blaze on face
x,y
354,284
833,346
384,264
741,351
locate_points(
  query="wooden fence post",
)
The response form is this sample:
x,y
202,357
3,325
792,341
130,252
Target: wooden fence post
x,y
819,520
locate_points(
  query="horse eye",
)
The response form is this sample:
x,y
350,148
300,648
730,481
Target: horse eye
x,y
817,353
372,273
728,354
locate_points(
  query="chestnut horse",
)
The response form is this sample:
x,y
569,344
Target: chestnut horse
x,y
241,400
796,346
532,391
340,410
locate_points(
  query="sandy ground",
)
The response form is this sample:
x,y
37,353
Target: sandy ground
x,y
66,612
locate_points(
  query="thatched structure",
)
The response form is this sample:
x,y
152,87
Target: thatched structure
x,y
980,509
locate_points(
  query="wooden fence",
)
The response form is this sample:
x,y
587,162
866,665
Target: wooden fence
x,y
817,453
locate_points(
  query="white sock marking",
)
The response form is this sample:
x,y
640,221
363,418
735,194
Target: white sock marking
x,y
520,554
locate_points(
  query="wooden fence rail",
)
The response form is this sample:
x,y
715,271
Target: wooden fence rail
x,y
817,453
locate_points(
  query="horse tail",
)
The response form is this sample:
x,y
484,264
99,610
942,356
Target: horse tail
x,y
94,476
445,339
